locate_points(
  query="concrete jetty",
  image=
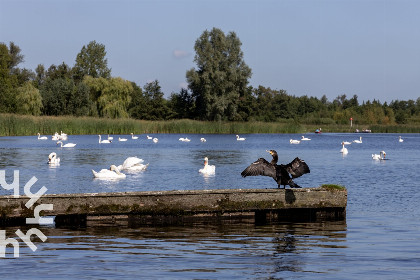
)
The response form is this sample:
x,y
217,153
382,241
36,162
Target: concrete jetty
x,y
325,202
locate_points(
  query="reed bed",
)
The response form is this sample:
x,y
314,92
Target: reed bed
x,y
19,125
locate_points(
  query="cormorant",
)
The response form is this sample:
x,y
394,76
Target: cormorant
x,y
280,173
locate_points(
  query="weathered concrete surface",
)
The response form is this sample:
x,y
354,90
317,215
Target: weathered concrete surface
x,y
257,202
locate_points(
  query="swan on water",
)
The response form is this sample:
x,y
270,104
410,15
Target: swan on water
x,y
53,159
134,137
240,138
55,137
104,141
202,139
63,136
67,145
381,156
111,173
399,139
346,143
155,140
133,164
294,141
344,150
42,137
184,139
149,137
358,141
207,169
305,138
122,139
110,138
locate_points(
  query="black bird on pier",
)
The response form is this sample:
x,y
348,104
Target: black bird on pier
x,y
280,173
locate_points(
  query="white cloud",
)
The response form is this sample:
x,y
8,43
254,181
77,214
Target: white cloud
x,y
180,53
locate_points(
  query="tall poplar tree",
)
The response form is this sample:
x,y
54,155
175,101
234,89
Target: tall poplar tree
x,y
91,61
221,76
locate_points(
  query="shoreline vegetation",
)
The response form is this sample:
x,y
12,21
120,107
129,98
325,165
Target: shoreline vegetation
x,y
25,125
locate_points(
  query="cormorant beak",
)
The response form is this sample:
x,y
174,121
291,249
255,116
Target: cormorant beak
x,y
269,152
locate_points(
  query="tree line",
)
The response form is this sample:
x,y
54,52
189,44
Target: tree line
x,y
218,90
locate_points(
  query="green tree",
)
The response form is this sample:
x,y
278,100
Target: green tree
x,y
28,100
55,96
137,106
91,61
8,82
78,102
62,71
221,76
182,104
40,75
156,105
15,56
112,95
246,106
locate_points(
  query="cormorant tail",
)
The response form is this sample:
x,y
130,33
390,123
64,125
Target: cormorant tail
x,y
293,184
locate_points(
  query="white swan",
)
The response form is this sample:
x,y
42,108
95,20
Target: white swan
x,y
346,143
110,138
358,141
381,156
68,145
53,159
149,137
184,139
202,139
207,169
305,139
42,137
240,138
133,164
344,150
122,139
55,137
155,140
111,173
399,139
294,141
134,137
103,141
63,136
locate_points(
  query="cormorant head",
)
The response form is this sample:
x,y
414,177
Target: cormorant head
x,y
272,152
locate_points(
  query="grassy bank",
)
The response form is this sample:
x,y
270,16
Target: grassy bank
x,y
16,125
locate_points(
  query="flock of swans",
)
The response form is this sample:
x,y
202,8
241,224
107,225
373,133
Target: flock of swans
x,y
345,151
380,156
135,164
131,164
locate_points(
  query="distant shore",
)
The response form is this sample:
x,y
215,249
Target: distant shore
x,y
23,125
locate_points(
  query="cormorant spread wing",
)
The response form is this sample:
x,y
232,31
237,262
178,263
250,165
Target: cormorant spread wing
x,y
280,173
260,167
297,168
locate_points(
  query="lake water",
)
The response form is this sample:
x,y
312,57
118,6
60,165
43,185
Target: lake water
x,y
380,238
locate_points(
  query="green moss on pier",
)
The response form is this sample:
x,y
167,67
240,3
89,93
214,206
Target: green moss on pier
x,y
333,187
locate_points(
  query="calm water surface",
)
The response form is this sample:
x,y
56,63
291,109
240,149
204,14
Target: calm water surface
x,y
380,239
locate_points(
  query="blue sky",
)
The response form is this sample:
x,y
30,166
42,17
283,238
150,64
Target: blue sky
x,y
370,48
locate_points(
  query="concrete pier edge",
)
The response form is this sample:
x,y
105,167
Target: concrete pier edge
x,y
323,202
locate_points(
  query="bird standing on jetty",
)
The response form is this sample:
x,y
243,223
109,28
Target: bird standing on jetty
x,y
280,173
